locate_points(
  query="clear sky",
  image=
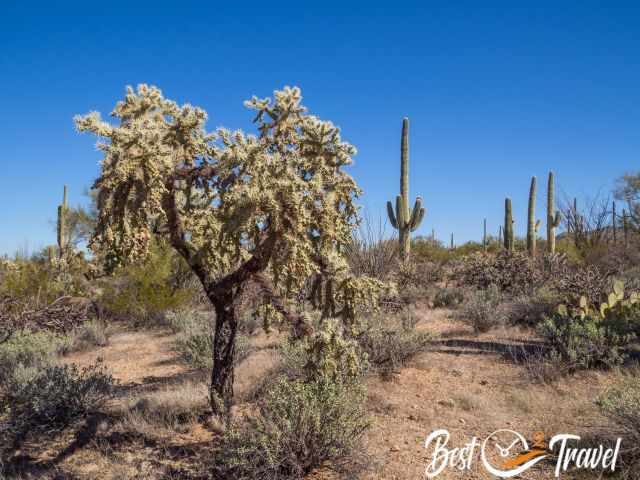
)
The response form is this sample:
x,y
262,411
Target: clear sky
x,y
495,91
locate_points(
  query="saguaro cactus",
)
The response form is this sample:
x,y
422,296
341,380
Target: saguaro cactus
x,y
508,225
532,223
484,234
625,228
62,222
553,217
500,239
406,220
613,222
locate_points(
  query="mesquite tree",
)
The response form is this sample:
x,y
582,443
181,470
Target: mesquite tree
x,y
272,208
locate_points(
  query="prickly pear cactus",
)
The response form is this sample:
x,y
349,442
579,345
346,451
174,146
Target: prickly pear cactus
x,y
405,219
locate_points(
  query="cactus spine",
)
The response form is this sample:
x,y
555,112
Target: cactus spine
x,y
532,224
553,217
404,219
508,225
62,223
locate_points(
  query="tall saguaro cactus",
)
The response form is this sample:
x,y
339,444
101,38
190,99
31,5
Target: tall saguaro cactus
x,y
484,234
532,223
613,222
62,223
508,225
405,219
553,216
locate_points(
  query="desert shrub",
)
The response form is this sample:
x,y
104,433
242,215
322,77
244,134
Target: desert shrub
x,y
93,333
597,335
514,273
144,291
583,341
55,398
301,426
483,309
621,404
187,320
530,310
313,412
575,281
450,297
371,252
194,343
26,350
175,408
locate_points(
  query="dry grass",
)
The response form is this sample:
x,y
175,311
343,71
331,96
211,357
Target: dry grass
x,y
170,409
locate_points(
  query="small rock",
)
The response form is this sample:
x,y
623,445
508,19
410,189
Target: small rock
x,y
395,448
412,417
462,421
447,403
484,382
456,373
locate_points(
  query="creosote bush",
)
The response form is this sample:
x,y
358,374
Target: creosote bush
x,y
54,398
194,342
313,413
25,352
450,297
144,290
391,340
483,309
621,404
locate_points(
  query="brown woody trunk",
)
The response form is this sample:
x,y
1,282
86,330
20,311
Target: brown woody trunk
x,y
222,374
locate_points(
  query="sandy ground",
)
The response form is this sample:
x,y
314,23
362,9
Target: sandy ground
x,y
465,383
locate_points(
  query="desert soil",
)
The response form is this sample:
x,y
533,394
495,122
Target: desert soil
x,y
468,384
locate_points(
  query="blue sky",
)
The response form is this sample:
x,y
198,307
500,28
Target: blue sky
x,y
496,92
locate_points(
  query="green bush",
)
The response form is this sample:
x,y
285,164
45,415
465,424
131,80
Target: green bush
x,y
301,426
448,298
390,341
194,343
52,400
26,350
590,336
144,291
584,341
483,309
621,404
90,334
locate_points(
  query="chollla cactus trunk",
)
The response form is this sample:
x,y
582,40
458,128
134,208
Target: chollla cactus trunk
x,y
553,216
62,223
405,219
508,225
532,223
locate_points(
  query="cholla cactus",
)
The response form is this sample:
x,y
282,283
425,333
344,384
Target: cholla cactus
x,y
405,219
274,206
332,356
553,217
508,225
532,224
62,223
